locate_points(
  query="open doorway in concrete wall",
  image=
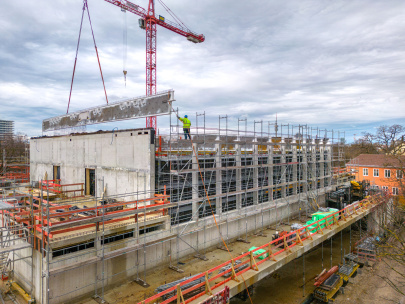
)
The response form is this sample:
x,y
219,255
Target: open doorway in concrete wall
x,y
90,182
56,172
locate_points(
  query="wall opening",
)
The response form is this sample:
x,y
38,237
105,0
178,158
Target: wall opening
x,y
56,172
91,182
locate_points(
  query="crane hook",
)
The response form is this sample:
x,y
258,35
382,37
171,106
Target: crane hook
x,y
125,77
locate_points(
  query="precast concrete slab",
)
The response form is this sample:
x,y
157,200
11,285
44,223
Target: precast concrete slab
x,y
159,104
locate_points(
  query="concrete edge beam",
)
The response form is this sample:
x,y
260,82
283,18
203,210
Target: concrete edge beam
x,y
268,267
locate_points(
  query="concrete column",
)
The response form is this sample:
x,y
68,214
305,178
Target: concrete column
x,y
194,182
97,245
294,159
314,178
152,167
283,168
238,158
321,167
304,166
255,160
270,171
373,222
218,189
329,162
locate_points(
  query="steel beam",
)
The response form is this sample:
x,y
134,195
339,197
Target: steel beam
x,y
145,106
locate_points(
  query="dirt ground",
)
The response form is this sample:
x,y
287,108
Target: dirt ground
x,y
369,288
12,297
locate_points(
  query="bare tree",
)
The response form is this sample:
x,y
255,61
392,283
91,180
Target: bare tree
x,y
12,150
388,139
391,247
360,146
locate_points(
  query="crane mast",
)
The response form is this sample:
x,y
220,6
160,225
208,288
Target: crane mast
x,y
149,22
151,54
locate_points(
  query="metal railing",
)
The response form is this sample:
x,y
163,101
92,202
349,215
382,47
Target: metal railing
x,y
259,255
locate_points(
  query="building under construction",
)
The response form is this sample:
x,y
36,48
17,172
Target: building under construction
x,y
108,206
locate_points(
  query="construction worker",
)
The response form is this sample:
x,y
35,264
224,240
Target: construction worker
x,y
186,126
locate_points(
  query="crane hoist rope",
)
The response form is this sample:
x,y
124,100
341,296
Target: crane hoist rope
x,y
170,12
85,7
124,46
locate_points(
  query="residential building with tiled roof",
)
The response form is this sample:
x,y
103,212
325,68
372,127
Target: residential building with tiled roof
x,y
384,172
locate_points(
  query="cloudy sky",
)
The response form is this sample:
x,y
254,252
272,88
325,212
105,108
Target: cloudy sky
x,y
332,64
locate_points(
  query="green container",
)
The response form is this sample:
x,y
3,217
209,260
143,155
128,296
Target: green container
x,y
318,216
257,252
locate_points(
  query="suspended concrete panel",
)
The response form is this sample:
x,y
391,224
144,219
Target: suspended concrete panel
x,y
145,106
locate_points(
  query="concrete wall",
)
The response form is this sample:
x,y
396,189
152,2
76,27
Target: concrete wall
x,y
124,159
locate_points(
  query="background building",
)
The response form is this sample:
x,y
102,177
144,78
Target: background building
x,y
6,128
384,172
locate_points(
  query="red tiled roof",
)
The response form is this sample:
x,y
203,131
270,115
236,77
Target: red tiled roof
x,y
377,160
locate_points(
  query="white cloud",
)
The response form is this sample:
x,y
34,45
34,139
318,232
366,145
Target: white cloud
x,y
316,62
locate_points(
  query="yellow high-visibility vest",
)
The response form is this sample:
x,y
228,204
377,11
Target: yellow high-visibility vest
x,y
186,122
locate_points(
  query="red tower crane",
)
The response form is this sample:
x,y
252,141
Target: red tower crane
x,y
148,22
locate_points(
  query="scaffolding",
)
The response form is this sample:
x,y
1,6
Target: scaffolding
x,y
242,169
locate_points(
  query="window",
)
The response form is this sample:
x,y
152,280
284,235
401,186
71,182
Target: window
x,y
394,190
376,173
72,248
150,229
399,173
385,188
117,237
365,171
387,173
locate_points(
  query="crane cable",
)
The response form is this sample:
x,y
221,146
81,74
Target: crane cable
x,y
95,46
124,46
212,212
77,51
85,6
170,12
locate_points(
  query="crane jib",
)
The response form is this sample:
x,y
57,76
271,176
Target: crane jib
x,y
177,28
